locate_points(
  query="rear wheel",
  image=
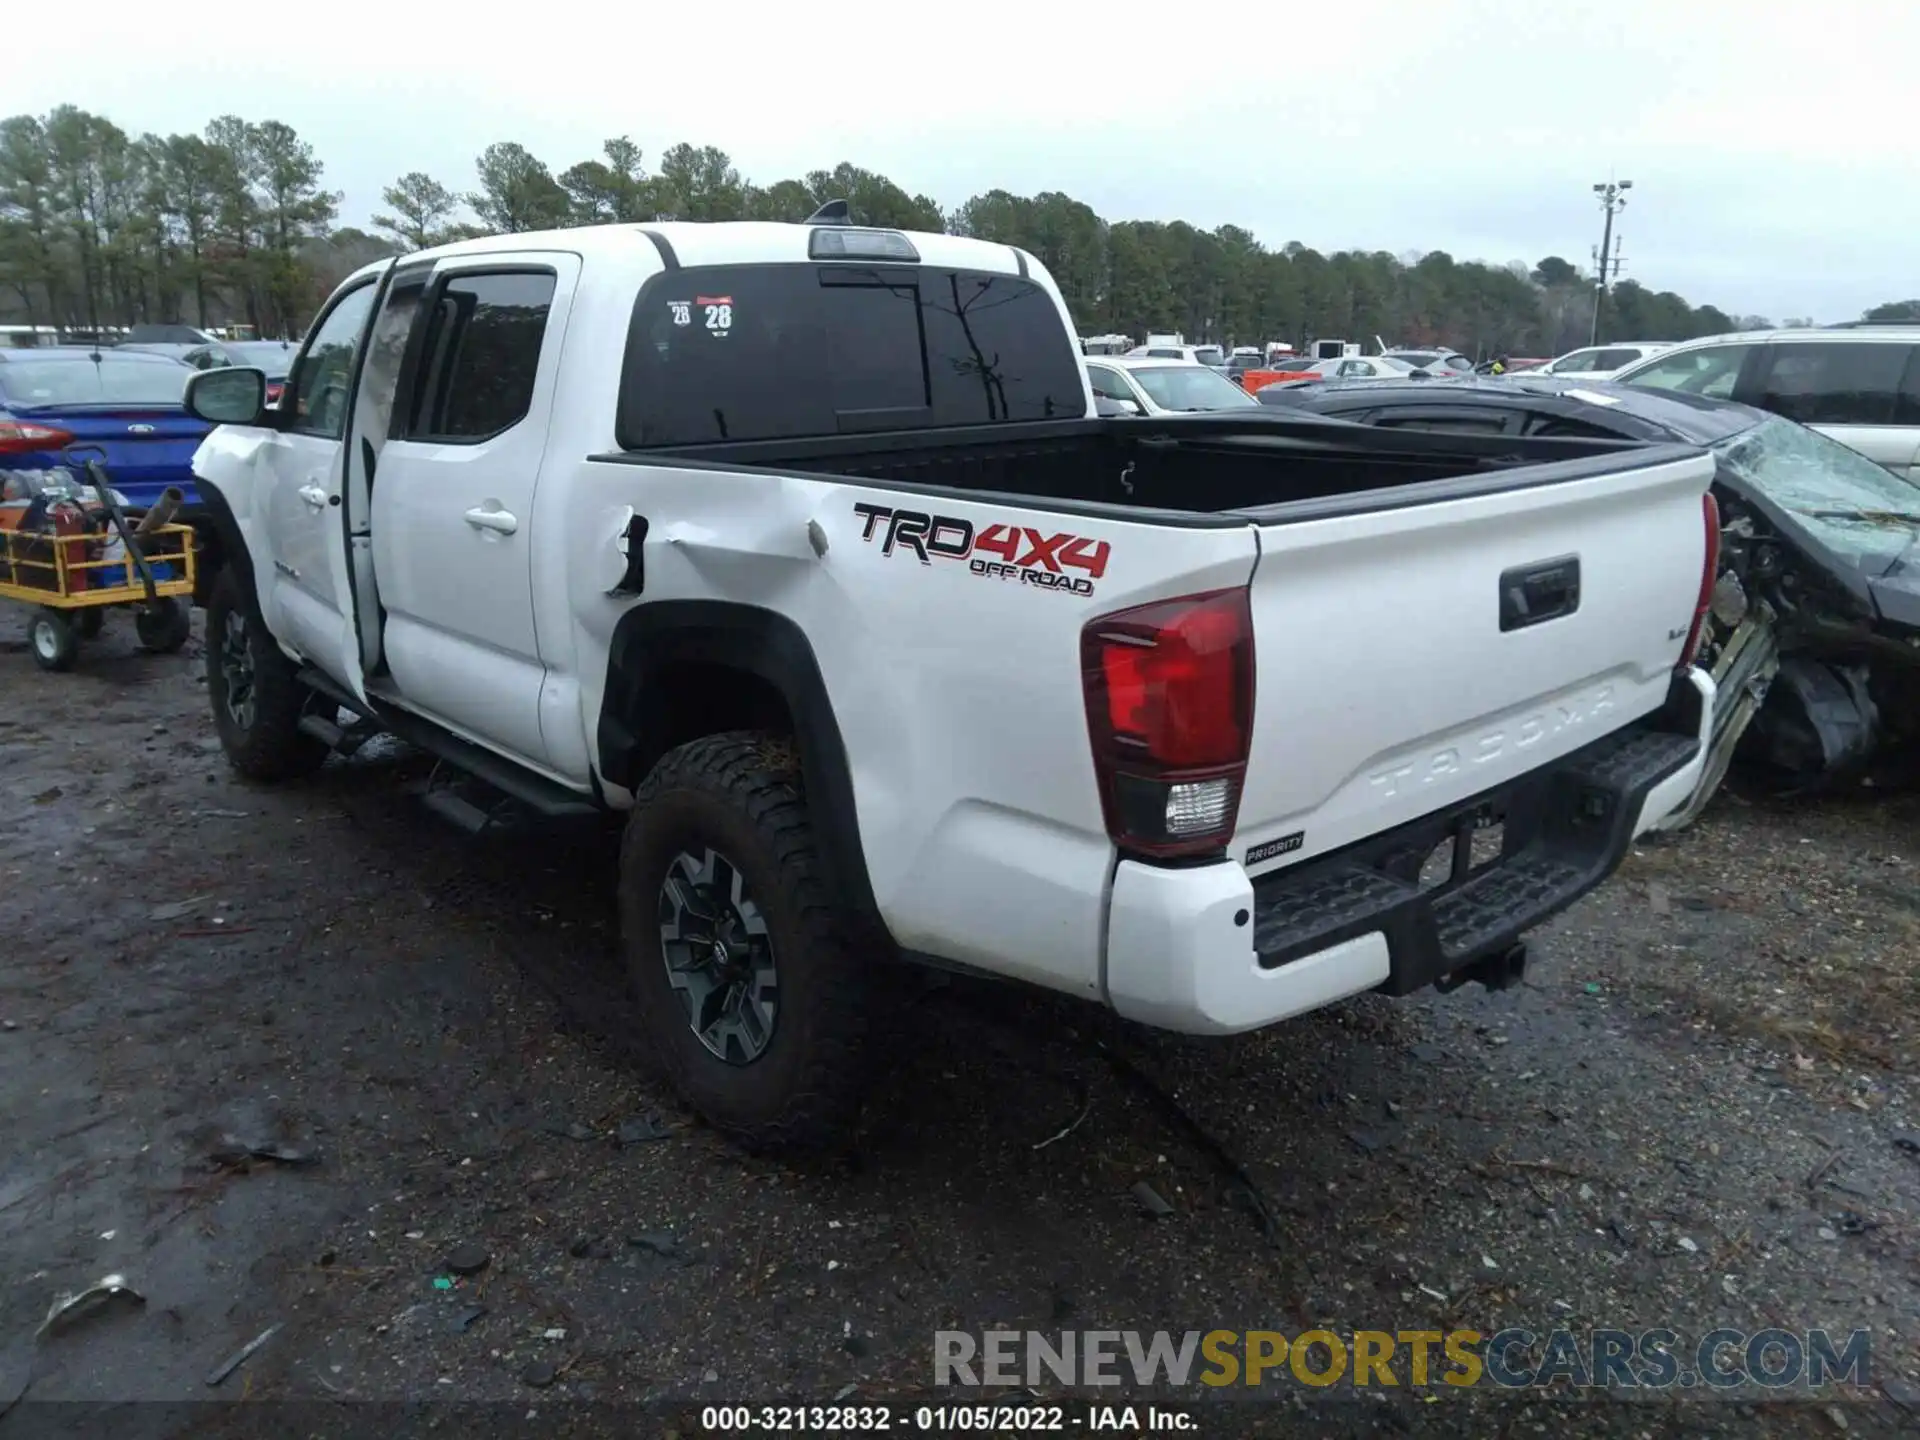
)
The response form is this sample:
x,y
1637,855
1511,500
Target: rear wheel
x,y
163,626
55,639
256,692
746,968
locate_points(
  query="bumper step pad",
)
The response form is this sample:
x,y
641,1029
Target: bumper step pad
x,y
1565,828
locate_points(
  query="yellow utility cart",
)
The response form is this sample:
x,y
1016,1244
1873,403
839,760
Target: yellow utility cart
x,y
59,557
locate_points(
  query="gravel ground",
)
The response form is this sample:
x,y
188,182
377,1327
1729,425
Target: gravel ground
x,y
1699,1111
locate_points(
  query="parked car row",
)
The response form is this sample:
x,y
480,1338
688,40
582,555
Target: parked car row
x,y
125,399
126,402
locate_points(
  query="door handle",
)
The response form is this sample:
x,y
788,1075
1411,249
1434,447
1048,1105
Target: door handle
x,y
491,517
1532,594
314,495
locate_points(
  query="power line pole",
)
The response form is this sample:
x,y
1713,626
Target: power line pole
x,y
1613,199
1608,271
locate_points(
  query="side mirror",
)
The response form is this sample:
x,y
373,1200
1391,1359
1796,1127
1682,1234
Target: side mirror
x,y
234,395
1108,408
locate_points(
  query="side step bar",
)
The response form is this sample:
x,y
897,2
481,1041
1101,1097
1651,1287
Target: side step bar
x,y
539,794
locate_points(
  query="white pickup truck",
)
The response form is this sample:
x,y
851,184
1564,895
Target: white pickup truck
x,y
804,544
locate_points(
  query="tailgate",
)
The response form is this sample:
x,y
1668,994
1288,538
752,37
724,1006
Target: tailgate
x,y
1391,684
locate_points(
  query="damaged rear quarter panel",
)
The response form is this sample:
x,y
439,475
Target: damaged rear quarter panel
x,y
954,681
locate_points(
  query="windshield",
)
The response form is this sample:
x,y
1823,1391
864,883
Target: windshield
x,y
83,381
1396,363
1191,387
1413,357
1209,355
1856,508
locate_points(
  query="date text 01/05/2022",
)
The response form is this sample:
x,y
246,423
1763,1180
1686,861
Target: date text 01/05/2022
x,y
942,1419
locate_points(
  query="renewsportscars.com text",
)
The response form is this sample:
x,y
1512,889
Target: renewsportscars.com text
x,y
1514,1358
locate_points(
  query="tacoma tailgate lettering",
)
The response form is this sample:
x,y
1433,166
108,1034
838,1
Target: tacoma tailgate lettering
x,y
1527,731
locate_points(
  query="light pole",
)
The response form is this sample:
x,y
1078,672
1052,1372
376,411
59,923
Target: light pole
x,y
1613,199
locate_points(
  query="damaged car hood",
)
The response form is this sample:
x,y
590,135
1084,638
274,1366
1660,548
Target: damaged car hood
x,y
1857,518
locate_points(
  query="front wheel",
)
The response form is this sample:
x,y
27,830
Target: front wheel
x,y
55,639
746,968
256,692
164,626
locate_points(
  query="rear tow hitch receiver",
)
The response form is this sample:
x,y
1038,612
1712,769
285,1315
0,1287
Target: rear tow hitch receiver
x,y
1496,972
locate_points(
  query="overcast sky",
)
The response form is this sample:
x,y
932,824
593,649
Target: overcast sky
x,y
1771,146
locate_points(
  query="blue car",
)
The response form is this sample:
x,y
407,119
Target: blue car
x,y
127,403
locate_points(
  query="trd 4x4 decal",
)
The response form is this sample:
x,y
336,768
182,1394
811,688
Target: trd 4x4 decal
x,y
1020,553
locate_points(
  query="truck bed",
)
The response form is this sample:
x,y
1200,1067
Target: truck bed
x,y
1202,465
1434,618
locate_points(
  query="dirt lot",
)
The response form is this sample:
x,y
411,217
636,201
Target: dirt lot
x,y
1699,1111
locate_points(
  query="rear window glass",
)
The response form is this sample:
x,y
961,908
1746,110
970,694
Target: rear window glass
x,y
775,352
81,381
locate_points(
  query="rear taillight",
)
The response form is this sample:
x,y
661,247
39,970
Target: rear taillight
x,y
1709,575
18,437
1169,689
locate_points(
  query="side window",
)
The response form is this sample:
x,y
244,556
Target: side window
x,y
1579,360
480,356
325,372
1907,412
1833,384
1710,372
1106,384
1615,359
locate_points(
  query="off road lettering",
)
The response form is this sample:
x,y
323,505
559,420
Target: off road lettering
x,y
1019,552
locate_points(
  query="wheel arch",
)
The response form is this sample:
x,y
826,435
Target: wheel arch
x,y
219,545
681,669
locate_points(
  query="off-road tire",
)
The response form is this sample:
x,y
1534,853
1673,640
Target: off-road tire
x,y
739,794
54,639
271,746
164,627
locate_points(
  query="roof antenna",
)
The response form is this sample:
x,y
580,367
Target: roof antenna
x,y
834,212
